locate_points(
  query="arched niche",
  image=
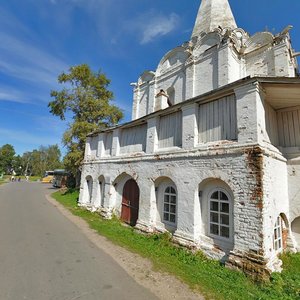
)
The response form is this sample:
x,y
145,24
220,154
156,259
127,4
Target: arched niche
x,y
88,190
100,191
146,76
173,58
208,41
257,41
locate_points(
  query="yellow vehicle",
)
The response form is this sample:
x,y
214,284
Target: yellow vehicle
x,y
48,177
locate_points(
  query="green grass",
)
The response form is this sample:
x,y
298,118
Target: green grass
x,y
207,276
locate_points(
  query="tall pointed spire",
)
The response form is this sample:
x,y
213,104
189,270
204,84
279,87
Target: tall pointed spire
x,y
211,15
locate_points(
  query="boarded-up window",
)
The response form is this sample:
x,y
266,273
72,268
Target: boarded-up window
x,y
289,127
217,120
133,139
93,146
170,130
108,143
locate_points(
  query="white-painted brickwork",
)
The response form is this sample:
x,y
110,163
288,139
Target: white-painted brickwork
x,y
215,155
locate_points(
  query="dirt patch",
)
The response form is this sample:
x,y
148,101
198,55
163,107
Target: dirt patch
x,y
163,285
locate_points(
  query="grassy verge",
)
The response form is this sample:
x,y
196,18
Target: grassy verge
x,y
207,276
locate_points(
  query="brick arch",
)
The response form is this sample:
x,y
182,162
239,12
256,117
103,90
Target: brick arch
x,y
222,178
165,177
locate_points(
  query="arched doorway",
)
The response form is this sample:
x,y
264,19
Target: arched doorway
x,y
130,202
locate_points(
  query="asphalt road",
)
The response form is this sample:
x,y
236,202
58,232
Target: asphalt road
x,y
43,256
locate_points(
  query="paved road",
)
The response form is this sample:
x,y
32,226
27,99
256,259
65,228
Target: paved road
x,y
43,256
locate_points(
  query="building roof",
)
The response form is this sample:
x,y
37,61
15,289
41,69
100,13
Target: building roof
x,y
213,14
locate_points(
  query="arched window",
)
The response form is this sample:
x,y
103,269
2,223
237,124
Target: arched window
x,y
277,237
220,216
169,209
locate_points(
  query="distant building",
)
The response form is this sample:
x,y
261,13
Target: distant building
x,y
212,153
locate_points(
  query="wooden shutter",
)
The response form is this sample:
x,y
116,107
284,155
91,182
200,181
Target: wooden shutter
x,y
133,139
217,120
170,130
289,127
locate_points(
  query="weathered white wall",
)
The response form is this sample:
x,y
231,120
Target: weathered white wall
x,y
211,62
293,171
227,142
206,72
275,198
229,171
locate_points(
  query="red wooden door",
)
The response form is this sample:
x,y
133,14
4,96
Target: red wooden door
x,y
130,202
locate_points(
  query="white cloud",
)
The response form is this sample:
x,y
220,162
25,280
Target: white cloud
x,y
21,59
159,25
11,97
151,25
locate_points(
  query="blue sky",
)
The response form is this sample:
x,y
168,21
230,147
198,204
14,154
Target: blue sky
x,y
42,38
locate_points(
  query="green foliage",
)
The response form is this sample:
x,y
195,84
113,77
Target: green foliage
x,y
7,155
85,96
205,275
40,160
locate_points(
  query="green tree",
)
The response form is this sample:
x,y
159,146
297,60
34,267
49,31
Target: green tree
x,y
53,158
87,100
7,154
40,160
26,163
17,164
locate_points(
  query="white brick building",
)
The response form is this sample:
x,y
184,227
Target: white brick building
x,y
212,153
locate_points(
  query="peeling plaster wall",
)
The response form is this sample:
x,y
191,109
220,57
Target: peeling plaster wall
x,y
176,80
275,198
293,170
246,165
212,63
230,169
